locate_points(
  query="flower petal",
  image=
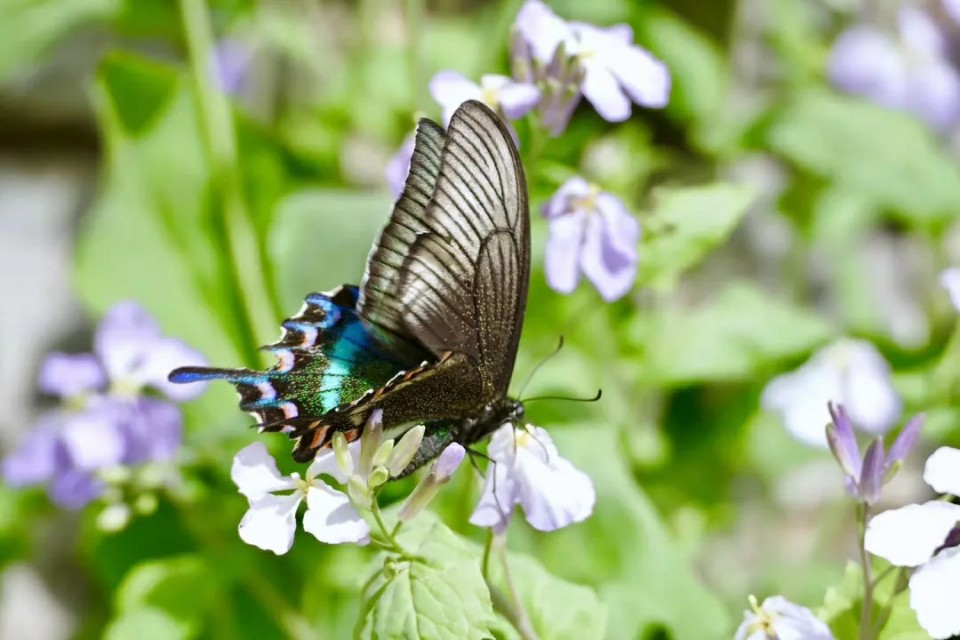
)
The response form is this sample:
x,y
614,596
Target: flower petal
x,y
793,622
255,472
600,87
867,386
399,166
500,490
933,595
942,471
867,62
562,255
553,493
35,461
451,89
561,201
908,537
70,374
542,29
124,334
95,439
644,78
448,462
843,442
153,429
517,99
332,519
74,488
871,476
161,356
904,443
271,522
610,270
950,278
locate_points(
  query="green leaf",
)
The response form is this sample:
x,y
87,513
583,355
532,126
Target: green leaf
x,y
558,610
686,224
740,333
182,588
147,623
625,551
32,27
441,596
902,623
887,156
321,239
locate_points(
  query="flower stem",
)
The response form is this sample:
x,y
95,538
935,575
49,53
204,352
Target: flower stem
x,y
866,612
390,535
509,607
216,124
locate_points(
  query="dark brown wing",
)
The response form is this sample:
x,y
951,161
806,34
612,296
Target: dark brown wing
x,y
379,305
463,286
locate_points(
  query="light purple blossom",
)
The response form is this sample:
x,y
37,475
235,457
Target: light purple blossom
x,y
527,470
106,421
866,477
591,232
231,63
910,71
950,280
780,619
509,98
399,166
615,71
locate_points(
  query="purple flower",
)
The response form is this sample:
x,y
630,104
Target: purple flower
x,y
106,422
615,72
909,72
866,477
231,64
781,619
510,99
399,166
950,280
591,232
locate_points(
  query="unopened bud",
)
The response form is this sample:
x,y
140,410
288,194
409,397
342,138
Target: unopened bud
x,y
370,441
406,448
359,493
114,517
442,471
377,477
145,504
383,454
342,452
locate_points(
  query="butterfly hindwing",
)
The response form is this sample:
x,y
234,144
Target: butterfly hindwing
x,y
326,358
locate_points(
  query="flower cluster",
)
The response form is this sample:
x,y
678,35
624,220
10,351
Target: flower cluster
x,y
851,373
526,470
926,538
910,71
106,424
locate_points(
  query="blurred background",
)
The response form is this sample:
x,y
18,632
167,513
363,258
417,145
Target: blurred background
x,y
806,165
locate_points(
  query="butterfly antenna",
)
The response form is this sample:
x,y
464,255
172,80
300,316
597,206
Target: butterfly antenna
x,y
567,398
540,364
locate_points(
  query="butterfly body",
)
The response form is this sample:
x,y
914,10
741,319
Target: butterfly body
x,y
431,334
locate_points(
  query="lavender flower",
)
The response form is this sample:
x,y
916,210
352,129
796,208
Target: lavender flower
x,y
612,71
231,64
779,619
105,421
510,99
910,71
866,477
528,470
950,280
591,232
927,537
848,372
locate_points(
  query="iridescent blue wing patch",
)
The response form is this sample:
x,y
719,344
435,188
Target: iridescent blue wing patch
x,y
326,359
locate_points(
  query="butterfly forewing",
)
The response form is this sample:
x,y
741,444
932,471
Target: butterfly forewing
x,y
464,284
379,303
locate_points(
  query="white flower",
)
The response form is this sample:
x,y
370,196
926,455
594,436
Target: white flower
x,y
927,536
950,280
504,95
527,470
848,372
271,520
780,619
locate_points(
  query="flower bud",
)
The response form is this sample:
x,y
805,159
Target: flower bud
x,y
370,441
342,452
114,517
383,454
443,469
901,447
359,492
871,477
404,451
377,477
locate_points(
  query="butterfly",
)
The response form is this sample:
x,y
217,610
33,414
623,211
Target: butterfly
x,y
431,334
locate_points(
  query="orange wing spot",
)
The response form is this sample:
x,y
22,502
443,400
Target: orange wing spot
x,y
446,356
320,440
351,435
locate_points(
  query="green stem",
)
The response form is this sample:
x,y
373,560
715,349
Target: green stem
x,y
866,612
390,534
945,378
217,127
510,606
